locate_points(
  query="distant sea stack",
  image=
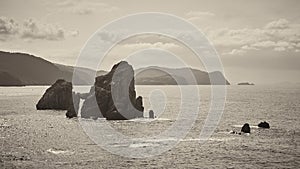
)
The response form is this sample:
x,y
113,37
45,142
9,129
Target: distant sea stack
x,y
245,83
115,95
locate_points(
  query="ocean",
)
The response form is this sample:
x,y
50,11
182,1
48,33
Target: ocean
x,y
47,139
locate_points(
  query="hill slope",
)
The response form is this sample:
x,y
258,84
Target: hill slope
x,y
24,69
170,76
32,70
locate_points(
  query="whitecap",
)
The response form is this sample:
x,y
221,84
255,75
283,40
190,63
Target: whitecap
x,y
56,151
240,126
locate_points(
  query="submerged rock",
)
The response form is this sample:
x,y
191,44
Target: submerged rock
x,y
245,83
59,97
246,128
113,95
264,125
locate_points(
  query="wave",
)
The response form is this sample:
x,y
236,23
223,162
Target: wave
x,y
149,119
56,151
240,126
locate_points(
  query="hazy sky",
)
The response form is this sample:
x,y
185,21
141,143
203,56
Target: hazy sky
x,y
257,40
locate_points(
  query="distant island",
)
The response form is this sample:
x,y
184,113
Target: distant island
x,y
21,69
245,83
176,76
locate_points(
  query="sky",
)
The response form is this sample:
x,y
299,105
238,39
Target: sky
x,y
257,41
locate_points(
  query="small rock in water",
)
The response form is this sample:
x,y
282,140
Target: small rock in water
x,y
246,128
264,125
233,132
151,114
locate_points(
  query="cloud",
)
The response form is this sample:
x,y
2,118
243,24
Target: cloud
x,y
235,52
73,33
34,30
8,26
137,46
246,47
83,11
278,24
31,29
199,14
80,7
278,35
279,48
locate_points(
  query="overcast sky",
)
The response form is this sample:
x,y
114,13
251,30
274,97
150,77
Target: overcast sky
x,y
258,41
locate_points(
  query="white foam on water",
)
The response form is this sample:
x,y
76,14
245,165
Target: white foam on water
x,y
138,145
148,119
57,152
80,106
240,126
210,139
163,119
156,142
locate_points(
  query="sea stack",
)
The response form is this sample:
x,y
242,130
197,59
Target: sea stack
x,y
114,95
151,114
246,128
59,97
264,125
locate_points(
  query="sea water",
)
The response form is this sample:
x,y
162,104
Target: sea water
x,y
32,134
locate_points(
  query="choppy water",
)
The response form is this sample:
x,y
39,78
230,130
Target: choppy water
x,y
35,139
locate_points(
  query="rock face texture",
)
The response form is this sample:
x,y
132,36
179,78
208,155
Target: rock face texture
x,y
59,97
113,96
246,128
264,125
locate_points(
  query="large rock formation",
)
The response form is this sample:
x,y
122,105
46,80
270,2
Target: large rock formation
x,y
114,95
59,97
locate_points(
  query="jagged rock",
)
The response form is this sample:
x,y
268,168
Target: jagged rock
x,y
246,128
264,125
58,96
114,94
139,104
